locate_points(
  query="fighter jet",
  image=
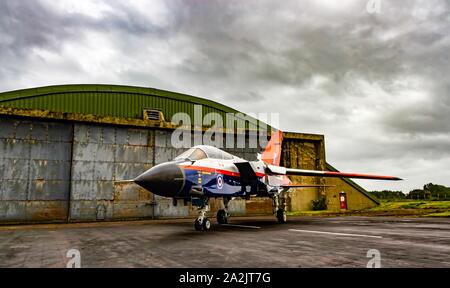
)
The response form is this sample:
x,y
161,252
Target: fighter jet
x,y
203,172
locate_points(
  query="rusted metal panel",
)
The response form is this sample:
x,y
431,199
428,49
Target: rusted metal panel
x,y
37,211
164,208
14,168
138,137
103,171
8,128
132,210
13,211
90,210
92,190
15,149
164,154
33,211
51,170
35,163
13,190
102,155
162,139
126,171
40,189
133,154
131,201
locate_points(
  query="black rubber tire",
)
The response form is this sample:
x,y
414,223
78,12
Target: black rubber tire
x,y
222,217
281,216
206,225
197,225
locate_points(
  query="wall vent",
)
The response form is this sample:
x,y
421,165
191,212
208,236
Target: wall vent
x,y
153,114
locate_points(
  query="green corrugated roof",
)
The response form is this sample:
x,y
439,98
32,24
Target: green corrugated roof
x,y
354,185
108,100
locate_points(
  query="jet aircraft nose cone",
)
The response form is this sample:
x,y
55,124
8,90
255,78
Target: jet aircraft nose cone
x,y
165,179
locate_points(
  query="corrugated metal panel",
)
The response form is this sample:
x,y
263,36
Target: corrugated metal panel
x,y
108,100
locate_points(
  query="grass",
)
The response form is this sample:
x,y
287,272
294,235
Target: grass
x,y
418,208
413,204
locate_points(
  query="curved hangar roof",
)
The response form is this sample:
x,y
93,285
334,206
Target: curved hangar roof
x,y
116,101
109,101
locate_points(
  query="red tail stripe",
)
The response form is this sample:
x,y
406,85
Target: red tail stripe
x,y
354,175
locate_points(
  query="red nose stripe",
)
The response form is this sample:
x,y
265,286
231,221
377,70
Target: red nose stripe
x,y
219,171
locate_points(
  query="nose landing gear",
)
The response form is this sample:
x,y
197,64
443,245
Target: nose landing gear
x,y
202,223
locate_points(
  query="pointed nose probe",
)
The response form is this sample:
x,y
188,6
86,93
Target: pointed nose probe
x,y
165,179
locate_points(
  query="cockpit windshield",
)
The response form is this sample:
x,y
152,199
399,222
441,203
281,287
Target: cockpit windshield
x,y
192,154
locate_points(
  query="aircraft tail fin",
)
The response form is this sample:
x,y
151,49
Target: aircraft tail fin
x,y
272,152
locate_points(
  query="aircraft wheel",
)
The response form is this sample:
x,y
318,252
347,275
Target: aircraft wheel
x,y
206,224
281,216
197,225
222,217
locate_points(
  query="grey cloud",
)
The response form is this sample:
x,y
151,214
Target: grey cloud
x,y
329,69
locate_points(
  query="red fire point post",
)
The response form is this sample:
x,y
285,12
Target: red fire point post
x,y
343,200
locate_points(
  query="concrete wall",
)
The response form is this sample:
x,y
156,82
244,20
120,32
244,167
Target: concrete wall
x,y
306,153
355,199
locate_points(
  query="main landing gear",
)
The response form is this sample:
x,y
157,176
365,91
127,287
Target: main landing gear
x,y
281,216
222,214
279,208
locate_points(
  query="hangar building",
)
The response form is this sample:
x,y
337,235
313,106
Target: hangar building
x,y
62,148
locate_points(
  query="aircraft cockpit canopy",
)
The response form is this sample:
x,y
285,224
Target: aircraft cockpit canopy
x,y
192,154
202,152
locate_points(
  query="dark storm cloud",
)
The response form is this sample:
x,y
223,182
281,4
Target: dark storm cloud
x,y
26,24
376,85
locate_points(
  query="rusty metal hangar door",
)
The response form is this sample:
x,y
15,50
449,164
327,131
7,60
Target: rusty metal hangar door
x,y
62,171
35,163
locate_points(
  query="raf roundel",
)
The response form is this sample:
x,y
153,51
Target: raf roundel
x,y
219,181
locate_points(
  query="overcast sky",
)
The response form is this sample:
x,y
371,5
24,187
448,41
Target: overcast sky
x,y
377,85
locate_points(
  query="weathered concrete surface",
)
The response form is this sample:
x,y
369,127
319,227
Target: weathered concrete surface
x,y
405,242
